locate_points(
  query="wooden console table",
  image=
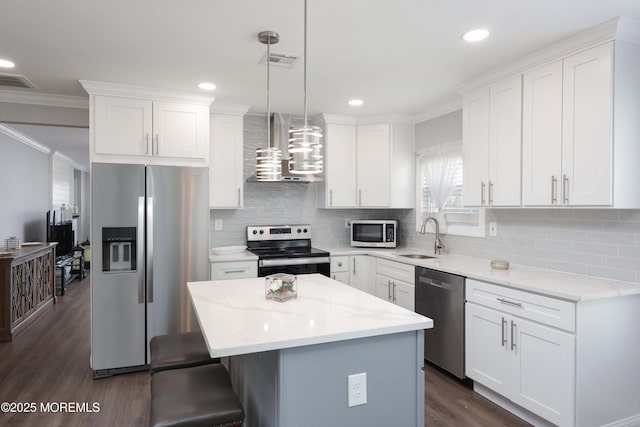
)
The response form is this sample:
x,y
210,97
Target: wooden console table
x,y
27,286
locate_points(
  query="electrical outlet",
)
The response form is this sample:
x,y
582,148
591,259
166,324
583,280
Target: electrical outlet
x,y
493,229
217,225
357,392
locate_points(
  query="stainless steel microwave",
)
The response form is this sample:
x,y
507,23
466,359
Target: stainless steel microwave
x,y
374,233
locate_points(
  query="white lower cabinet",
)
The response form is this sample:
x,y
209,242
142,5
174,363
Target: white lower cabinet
x,y
395,282
523,347
340,268
234,270
528,363
362,273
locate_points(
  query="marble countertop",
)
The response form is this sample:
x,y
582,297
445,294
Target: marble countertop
x,y
572,287
236,318
241,256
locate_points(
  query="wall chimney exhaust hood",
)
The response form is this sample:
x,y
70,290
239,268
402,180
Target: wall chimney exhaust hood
x,y
280,124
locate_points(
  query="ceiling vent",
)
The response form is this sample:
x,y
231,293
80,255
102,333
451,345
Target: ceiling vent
x,y
15,80
284,60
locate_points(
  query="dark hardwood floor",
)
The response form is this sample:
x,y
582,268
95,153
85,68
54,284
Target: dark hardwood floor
x,y
48,364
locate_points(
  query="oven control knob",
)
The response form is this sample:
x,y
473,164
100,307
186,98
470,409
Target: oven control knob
x,y
305,230
261,231
255,231
299,231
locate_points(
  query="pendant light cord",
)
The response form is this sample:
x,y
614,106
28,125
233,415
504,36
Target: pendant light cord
x,y
268,103
305,64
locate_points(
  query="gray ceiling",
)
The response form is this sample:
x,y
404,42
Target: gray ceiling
x,y
399,56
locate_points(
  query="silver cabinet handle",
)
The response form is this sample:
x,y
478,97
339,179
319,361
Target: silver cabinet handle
x,y
394,292
146,147
554,188
234,271
513,335
504,335
354,267
565,189
157,144
482,185
506,301
389,290
491,193
330,197
239,197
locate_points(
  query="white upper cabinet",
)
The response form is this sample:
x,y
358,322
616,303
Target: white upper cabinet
x,y
147,126
372,165
226,179
542,134
572,153
367,165
340,160
492,144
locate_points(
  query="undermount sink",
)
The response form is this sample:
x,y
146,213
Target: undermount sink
x,y
417,256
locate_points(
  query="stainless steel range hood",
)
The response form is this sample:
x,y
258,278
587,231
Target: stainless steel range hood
x,y
280,124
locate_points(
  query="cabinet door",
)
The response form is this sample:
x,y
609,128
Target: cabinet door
x,y
122,126
587,139
487,356
340,152
383,287
404,294
342,277
475,147
505,146
544,382
373,165
180,130
362,276
542,135
226,163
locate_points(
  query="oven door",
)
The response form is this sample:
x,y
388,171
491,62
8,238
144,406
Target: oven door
x,y
294,266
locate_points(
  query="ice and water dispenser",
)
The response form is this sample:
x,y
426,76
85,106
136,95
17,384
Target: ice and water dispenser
x,y
118,249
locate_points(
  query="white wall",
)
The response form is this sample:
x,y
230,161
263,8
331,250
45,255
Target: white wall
x,y
25,191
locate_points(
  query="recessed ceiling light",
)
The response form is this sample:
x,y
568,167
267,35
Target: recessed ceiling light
x,y
207,86
476,35
5,63
356,102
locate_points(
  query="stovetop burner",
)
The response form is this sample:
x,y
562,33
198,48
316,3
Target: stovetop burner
x,y
282,241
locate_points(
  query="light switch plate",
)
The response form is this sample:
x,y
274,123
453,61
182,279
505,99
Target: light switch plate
x,y
493,229
217,225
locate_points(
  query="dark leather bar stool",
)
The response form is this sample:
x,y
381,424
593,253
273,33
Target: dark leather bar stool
x,y
177,351
194,397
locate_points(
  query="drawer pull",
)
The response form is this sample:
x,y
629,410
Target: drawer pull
x,y
504,338
513,338
234,271
506,301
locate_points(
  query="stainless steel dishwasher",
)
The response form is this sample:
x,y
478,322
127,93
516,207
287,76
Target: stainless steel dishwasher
x,y
440,296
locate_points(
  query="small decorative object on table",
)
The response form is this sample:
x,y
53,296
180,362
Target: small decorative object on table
x,y
12,243
500,265
281,286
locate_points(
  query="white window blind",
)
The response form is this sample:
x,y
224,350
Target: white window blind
x,y
444,162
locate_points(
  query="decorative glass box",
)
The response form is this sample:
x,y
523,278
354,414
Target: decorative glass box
x,y
281,286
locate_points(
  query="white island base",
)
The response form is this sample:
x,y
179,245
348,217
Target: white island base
x,y
307,386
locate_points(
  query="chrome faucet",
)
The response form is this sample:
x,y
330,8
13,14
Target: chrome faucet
x,y
437,245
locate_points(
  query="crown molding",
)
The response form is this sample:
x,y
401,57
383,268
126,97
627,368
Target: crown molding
x,y
14,134
442,110
60,156
620,28
34,98
231,109
142,92
338,119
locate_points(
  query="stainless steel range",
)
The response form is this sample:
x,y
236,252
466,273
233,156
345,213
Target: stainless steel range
x,y
286,249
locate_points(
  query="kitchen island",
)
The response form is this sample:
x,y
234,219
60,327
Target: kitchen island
x,y
290,361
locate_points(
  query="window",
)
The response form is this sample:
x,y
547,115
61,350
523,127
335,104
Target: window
x,y
439,184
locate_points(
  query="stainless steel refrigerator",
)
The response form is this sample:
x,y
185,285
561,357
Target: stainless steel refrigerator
x,y
149,237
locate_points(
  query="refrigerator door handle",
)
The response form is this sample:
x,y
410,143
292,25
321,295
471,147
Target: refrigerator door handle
x,y
140,250
149,249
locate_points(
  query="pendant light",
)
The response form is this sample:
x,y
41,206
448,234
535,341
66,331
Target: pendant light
x,y
269,159
305,143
